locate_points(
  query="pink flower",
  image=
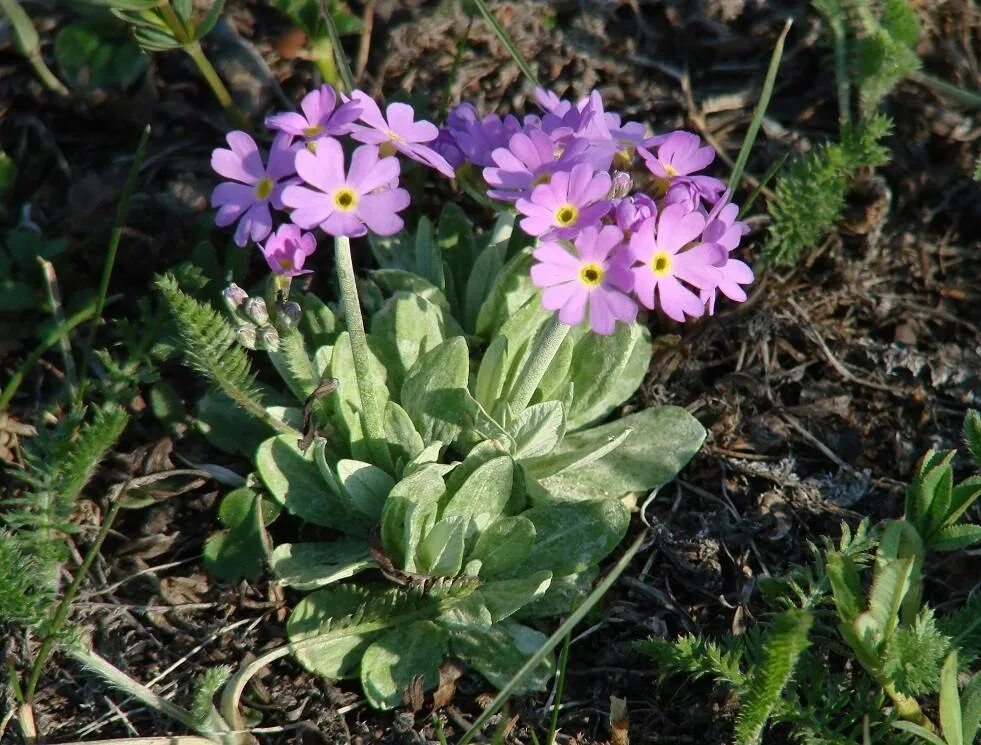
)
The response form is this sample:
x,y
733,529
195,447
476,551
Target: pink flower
x,y
595,277
631,212
253,186
398,132
571,201
364,199
668,265
321,116
477,137
287,249
529,159
725,230
678,159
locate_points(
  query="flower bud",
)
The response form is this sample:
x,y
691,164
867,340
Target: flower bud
x,y
255,310
268,339
246,335
234,297
289,314
622,185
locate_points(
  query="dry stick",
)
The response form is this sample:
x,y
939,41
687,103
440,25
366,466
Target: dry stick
x,y
364,45
58,311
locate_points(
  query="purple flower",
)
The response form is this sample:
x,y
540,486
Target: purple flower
x,y
365,199
665,261
287,249
571,201
596,276
398,132
726,231
477,137
678,158
529,159
631,212
549,102
321,116
253,186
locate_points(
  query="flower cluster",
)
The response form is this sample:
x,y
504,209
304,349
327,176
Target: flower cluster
x,y
603,246
304,175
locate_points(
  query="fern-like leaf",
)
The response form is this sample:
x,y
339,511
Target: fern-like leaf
x,y
695,657
782,648
202,701
972,422
210,348
964,629
913,655
22,600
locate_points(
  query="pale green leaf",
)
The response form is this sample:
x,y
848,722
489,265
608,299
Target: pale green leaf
x,y
392,662
573,536
308,566
366,485
505,597
503,545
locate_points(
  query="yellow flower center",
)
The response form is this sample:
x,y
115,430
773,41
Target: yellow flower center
x,y
387,149
263,188
395,136
591,274
661,263
345,199
566,215
285,264
541,178
313,131
670,170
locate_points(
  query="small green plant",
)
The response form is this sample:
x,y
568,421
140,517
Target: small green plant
x,y
308,16
874,48
793,673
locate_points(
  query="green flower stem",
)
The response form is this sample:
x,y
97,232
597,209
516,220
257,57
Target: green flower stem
x,y
547,343
370,405
192,47
907,708
64,607
323,58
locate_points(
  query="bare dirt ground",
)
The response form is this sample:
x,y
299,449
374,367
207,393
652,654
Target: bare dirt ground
x,y
819,394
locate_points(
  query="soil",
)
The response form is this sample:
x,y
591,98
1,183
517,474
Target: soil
x,y
819,393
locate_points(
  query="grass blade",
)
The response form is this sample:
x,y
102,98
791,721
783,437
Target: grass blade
x,y
555,639
122,209
761,106
506,41
343,66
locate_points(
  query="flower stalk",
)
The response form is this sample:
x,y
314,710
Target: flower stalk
x,y
370,404
547,343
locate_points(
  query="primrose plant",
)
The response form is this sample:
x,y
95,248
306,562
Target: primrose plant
x,y
443,437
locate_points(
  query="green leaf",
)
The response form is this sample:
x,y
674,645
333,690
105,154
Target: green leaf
x,y
971,708
846,586
972,426
921,732
962,497
480,283
499,652
507,596
950,703
412,326
940,504
485,492
492,373
563,594
440,552
209,20
308,566
428,260
238,552
606,370
392,662
393,281
404,442
435,392
511,291
346,401
366,485
573,536
316,614
889,586
661,441
424,486
318,324
956,537
538,429
182,8
15,296
294,481
503,545
782,648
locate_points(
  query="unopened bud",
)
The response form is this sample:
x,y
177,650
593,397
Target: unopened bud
x,y
622,185
234,297
289,314
255,310
246,335
268,339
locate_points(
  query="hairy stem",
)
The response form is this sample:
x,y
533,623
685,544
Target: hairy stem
x,y
64,607
547,343
210,75
370,404
908,708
